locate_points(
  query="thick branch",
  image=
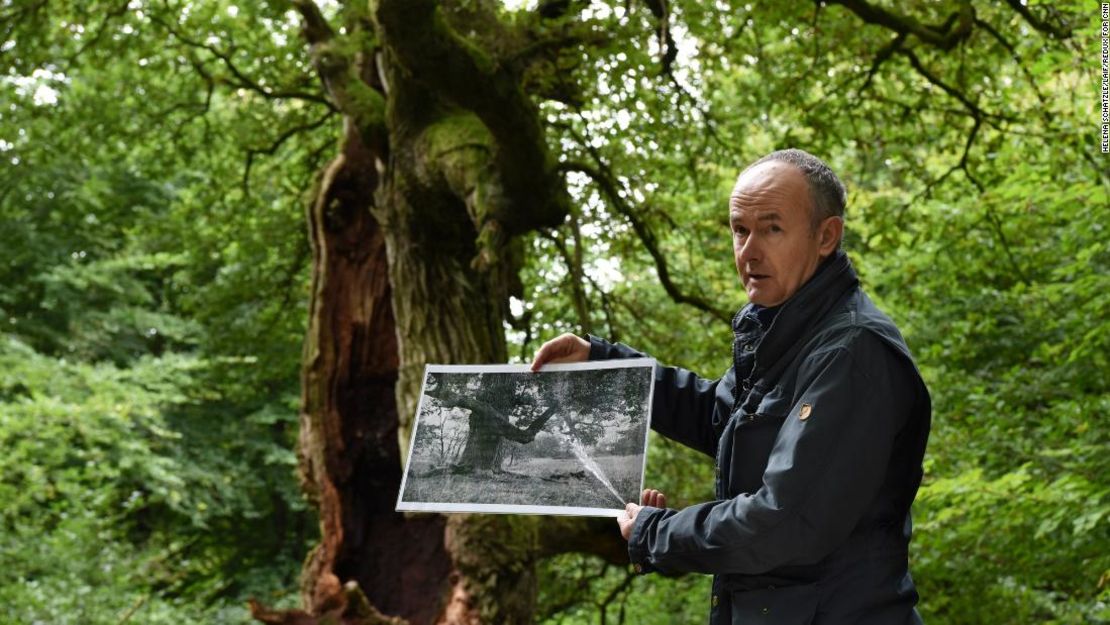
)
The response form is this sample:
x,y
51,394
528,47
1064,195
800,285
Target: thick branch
x,y
973,108
1033,83
277,143
575,275
553,9
613,334
667,46
967,149
583,587
962,165
882,56
944,37
418,35
454,67
551,45
199,109
314,26
241,80
528,434
996,223
363,104
596,536
620,589
118,11
1060,32
608,186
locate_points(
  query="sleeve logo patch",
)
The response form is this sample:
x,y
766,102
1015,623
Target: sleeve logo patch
x,y
803,414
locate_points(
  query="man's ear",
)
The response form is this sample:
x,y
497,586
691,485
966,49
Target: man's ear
x,y
832,228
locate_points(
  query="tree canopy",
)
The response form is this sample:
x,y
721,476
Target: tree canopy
x,y
226,224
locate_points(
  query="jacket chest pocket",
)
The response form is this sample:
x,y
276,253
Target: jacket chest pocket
x,y
752,440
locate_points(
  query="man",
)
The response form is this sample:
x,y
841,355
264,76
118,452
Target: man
x,y
818,428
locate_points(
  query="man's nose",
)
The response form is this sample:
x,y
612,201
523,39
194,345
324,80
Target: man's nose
x,y
748,251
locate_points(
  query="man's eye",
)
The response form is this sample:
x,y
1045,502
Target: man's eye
x,y
774,228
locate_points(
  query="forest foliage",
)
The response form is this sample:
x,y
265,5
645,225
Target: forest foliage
x,y
154,277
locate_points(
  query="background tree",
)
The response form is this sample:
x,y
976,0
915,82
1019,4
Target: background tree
x,y
557,167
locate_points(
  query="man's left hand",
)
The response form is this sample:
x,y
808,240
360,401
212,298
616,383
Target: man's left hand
x,y
627,519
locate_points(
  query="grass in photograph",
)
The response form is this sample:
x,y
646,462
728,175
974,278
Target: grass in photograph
x,y
533,482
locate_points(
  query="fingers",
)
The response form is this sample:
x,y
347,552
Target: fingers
x,y
627,519
543,354
653,498
563,348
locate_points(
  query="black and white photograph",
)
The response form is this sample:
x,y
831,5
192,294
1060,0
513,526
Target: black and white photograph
x,y
568,439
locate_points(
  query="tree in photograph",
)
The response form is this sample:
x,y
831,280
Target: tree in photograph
x,y
488,425
597,403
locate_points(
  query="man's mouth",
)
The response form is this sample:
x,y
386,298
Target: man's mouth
x,y
756,277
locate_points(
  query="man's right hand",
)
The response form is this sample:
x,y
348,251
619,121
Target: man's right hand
x,y
627,519
563,348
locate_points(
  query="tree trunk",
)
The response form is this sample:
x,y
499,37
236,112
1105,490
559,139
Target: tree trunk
x,y
488,429
412,229
372,561
482,444
349,457
450,299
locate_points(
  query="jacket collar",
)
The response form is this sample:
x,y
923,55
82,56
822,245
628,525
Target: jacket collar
x,y
802,312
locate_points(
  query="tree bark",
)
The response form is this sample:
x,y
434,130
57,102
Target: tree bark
x,y
349,457
414,257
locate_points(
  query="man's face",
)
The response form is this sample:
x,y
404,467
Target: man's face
x,y
773,241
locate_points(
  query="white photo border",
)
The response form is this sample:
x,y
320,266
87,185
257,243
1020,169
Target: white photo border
x,y
488,508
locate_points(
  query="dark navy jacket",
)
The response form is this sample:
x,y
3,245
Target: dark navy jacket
x,y
818,449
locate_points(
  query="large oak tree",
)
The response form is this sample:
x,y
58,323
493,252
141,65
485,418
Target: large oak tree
x,y
489,156
446,161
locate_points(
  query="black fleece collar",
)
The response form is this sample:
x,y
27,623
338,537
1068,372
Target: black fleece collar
x,y
833,279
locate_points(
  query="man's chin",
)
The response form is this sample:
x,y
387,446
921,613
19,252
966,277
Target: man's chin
x,y
759,297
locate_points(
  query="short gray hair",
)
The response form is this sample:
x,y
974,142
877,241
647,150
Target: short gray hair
x,y
826,192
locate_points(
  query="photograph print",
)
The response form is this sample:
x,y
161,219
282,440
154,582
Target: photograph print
x,y
568,439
